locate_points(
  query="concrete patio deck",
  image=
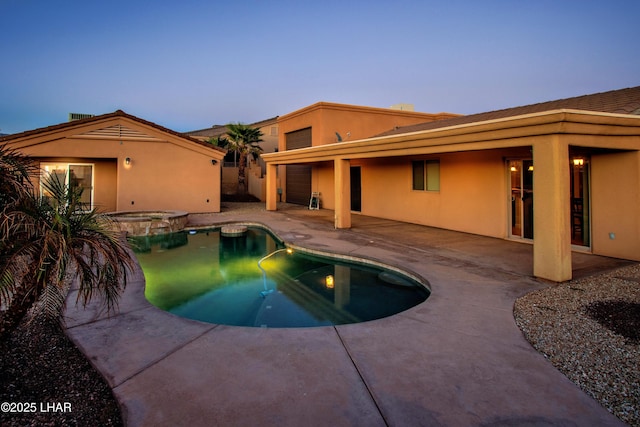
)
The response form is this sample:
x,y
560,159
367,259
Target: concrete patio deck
x,y
457,359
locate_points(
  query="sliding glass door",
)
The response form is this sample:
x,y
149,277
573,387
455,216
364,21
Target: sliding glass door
x,y
521,207
75,175
580,224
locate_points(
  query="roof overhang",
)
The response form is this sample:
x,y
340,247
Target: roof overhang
x,y
348,108
507,132
104,127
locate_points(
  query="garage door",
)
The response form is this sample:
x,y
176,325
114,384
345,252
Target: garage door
x,y
298,184
298,177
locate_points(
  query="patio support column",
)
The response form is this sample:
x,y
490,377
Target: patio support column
x,y
551,210
272,187
342,182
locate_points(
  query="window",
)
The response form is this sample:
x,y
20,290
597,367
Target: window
x,y
426,175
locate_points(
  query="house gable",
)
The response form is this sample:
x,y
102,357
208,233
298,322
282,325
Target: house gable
x,y
116,126
133,163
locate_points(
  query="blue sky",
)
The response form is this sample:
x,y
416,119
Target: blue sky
x,y
188,65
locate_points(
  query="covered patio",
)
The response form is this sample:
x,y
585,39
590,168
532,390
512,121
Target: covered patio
x,y
547,138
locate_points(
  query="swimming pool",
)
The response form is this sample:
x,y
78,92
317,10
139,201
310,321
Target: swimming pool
x,y
254,280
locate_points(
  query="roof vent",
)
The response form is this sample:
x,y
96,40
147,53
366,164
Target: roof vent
x,y
78,116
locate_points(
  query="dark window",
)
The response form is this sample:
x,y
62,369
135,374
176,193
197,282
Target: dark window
x,y
298,139
418,175
426,175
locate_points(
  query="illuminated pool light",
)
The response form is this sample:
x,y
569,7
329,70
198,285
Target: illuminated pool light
x,y
329,282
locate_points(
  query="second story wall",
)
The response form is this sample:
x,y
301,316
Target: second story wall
x,y
331,123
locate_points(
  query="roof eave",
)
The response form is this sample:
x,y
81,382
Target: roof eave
x,y
503,131
50,133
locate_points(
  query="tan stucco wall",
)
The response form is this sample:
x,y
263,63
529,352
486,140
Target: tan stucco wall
x,y
322,181
105,185
615,204
229,180
350,121
166,172
473,194
166,176
270,135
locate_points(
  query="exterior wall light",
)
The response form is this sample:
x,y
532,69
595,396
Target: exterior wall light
x,y
214,162
127,161
578,162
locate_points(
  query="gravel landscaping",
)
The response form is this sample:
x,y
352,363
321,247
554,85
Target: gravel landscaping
x,y
49,382
589,330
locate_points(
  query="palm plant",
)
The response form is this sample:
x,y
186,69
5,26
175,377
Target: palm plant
x,y
218,141
244,140
15,172
49,243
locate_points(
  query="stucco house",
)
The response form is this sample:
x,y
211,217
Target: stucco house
x,y
328,123
255,168
561,175
127,163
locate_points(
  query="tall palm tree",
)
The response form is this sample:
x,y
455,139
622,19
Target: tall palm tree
x,y
48,243
244,140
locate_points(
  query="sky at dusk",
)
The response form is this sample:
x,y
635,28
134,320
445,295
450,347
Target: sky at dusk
x,y
191,64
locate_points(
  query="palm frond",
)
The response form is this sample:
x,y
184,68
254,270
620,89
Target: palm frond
x,y
52,301
16,170
7,287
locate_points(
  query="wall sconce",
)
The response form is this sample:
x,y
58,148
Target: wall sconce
x,y
214,162
329,281
578,162
127,161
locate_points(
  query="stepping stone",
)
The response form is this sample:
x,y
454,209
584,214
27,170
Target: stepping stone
x,y
233,230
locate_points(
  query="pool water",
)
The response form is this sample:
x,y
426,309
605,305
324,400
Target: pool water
x,y
253,280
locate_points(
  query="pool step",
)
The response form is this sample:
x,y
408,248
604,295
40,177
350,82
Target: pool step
x,y
233,230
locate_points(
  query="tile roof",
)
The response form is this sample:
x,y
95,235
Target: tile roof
x,y
219,130
213,131
622,101
117,113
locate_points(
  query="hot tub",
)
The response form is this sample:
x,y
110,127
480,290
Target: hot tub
x,y
149,223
